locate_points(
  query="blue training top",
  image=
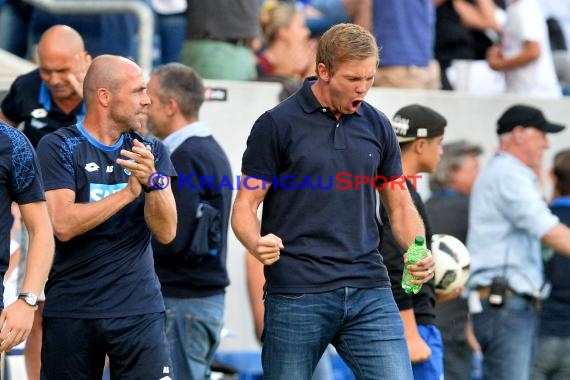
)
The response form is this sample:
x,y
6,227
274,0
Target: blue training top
x,y
20,181
327,223
108,271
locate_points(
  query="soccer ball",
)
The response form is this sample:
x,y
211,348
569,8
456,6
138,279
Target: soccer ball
x,y
451,263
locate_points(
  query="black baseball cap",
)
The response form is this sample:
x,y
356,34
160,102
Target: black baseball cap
x,y
416,121
525,116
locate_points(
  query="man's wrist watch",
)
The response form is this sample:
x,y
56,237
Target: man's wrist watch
x,y
30,298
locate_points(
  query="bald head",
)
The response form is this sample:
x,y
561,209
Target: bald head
x,y
59,39
110,72
115,94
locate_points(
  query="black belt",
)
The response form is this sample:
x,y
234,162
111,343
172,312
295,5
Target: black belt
x,y
485,291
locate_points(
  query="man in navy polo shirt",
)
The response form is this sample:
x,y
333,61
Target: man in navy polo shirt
x,y
103,296
20,182
325,279
51,96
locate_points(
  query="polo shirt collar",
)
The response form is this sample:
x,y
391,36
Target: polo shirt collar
x,y
44,98
307,99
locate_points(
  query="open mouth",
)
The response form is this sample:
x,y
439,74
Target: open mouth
x,y
356,103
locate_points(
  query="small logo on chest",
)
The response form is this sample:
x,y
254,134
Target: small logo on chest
x,y
39,113
91,167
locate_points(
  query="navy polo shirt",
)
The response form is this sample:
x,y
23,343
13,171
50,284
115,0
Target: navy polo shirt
x,y
20,181
29,102
108,271
327,224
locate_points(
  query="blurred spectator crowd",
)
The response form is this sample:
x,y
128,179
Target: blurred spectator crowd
x,y
485,46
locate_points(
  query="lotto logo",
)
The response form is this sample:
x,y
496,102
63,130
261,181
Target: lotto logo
x,y
91,167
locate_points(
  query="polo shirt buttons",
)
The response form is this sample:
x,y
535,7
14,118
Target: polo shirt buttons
x,y
324,110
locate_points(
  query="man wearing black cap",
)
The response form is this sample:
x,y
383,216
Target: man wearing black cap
x,y
508,221
420,132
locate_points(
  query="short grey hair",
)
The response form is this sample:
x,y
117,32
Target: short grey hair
x,y
181,83
454,154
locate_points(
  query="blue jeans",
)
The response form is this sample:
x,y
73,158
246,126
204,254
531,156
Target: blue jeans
x,y
552,359
507,336
171,33
193,327
363,324
458,358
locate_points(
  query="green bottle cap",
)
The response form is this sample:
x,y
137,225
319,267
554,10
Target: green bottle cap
x,y
419,240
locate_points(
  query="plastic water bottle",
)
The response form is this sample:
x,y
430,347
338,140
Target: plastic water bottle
x,y
416,252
